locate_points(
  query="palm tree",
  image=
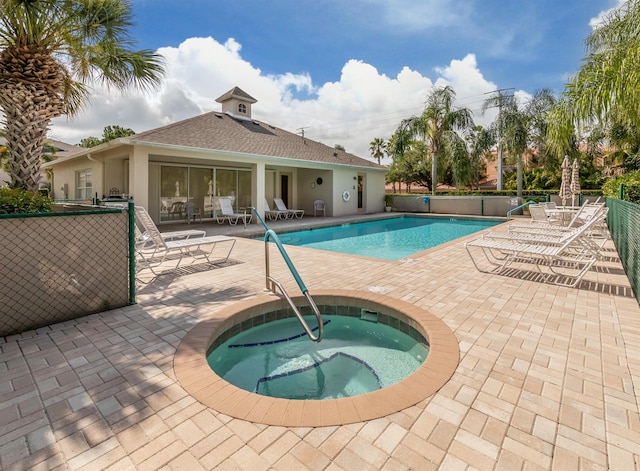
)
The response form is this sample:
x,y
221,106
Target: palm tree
x,y
377,148
437,126
522,128
606,88
480,141
50,50
515,136
538,111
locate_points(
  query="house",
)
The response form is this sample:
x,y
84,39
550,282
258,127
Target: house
x,y
53,150
222,154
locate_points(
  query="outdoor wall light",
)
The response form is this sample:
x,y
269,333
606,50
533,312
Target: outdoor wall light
x,y
319,180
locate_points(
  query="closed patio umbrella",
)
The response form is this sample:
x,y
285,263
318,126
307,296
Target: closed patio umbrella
x,y
575,180
565,188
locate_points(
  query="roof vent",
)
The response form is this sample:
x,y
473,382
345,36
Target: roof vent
x,y
335,154
218,116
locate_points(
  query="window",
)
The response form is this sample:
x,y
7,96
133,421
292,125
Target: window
x,y
242,108
83,184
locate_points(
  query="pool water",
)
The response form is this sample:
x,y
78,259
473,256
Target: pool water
x,y
355,356
388,239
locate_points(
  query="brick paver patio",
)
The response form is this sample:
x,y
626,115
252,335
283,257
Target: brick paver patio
x,y
549,377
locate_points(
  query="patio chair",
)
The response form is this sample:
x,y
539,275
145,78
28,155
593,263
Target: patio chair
x,y
228,214
567,258
298,213
318,207
274,214
154,252
192,212
176,210
538,214
147,226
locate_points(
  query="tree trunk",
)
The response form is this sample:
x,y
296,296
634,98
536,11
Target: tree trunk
x,y
28,112
31,94
519,176
434,173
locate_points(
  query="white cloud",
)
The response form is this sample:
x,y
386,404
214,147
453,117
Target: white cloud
x,y
361,105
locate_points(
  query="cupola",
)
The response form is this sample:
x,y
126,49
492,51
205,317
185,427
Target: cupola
x,y
237,103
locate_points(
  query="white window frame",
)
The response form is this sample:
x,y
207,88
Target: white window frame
x,y
84,186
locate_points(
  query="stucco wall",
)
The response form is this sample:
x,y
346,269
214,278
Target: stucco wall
x,y
310,190
470,205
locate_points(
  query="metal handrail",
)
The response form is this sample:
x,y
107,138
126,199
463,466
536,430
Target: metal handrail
x,y
522,206
272,283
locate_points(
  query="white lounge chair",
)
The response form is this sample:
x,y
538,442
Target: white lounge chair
x,y
274,214
540,220
228,214
298,213
567,258
154,252
146,225
595,237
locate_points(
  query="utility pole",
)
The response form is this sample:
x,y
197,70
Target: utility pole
x,y
500,100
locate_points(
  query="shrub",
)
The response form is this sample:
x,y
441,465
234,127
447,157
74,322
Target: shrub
x,y
631,180
19,202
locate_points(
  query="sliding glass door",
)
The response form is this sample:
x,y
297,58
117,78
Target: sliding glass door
x,y
201,187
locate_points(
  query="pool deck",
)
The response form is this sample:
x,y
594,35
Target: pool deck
x,y
548,378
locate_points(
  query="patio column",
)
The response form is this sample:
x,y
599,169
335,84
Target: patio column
x,y
258,176
139,176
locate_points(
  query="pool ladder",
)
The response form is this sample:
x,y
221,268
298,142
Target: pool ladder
x,y
272,283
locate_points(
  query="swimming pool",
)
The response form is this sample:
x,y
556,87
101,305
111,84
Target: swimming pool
x,y
388,239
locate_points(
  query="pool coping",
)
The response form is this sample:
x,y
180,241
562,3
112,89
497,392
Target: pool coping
x,y
203,384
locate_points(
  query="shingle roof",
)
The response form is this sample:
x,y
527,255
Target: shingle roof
x,y
221,132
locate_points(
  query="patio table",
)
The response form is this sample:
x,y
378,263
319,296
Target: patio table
x,y
563,214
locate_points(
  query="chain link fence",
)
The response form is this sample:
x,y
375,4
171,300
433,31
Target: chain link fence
x,y
624,224
63,265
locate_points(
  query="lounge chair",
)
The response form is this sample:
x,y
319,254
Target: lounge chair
x,y
594,238
582,214
153,250
567,258
274,214
298,213
147,226
228,214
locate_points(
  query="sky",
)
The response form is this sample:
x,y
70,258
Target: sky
x,y
342,71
